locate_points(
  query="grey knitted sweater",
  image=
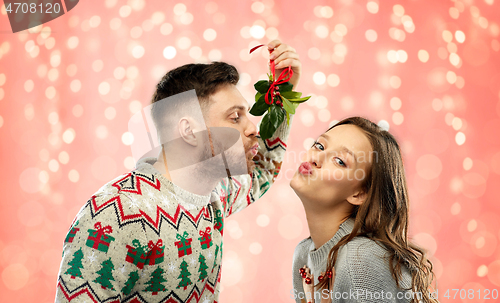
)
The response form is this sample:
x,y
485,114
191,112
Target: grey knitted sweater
x,y
362,274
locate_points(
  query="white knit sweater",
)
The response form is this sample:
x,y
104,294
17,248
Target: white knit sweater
x,y
361,272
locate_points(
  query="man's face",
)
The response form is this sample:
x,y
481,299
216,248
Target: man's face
x,y
228,108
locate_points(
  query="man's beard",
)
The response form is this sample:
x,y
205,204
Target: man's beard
x,y
231,159
250,161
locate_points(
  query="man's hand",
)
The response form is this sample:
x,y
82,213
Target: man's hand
x,y
284,56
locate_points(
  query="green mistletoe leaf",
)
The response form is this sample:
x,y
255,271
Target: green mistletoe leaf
x,y
257,96
278,114
259,107
275,115
262,86
287,105
267,128
281,116
291,95
285,87
299,100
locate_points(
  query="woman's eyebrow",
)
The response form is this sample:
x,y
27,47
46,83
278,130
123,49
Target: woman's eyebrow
x,y
349,152
342,147
325,136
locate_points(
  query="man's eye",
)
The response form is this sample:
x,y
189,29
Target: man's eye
x,y
235,118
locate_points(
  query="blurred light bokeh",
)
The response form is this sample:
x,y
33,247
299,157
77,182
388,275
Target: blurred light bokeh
x,y
429,71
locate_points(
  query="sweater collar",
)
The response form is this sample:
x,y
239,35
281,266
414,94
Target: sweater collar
x,y
320,255
145,165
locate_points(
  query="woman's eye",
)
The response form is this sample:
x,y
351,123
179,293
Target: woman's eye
x,y
340,162
318,145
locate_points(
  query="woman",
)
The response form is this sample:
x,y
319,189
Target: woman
x,y
354,193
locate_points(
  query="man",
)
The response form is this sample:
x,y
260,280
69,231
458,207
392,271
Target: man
x,y
147,236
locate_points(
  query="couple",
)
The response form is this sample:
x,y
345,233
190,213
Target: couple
x,y
155,234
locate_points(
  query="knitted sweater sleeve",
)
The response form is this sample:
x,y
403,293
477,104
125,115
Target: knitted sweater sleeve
x,y
369,274
243,190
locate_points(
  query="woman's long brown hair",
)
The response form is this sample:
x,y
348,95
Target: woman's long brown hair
x,y
383,216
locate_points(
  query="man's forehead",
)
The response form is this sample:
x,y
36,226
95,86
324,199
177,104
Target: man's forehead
x,y
229,98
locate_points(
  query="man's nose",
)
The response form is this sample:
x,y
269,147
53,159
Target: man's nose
x,y
250,129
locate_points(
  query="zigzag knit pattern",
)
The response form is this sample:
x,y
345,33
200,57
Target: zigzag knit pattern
x,y
141,238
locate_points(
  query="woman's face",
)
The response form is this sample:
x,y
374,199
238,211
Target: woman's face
x,y
335,167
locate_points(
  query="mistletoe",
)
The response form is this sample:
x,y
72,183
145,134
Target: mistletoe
x,y
276,99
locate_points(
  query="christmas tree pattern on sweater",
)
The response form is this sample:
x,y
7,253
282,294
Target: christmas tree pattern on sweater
x,y
140,238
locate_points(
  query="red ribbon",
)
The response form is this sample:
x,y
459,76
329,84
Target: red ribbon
x,y
284,77
101,231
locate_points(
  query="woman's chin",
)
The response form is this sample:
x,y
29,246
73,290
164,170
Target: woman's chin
x,y
303,188
297,183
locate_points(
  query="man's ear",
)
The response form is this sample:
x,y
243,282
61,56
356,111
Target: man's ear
x,y
186,131
357,198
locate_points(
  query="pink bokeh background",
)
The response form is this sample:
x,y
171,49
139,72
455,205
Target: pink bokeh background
x,y
427,70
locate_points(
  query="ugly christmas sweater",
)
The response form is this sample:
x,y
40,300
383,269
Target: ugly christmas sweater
x,y
136,241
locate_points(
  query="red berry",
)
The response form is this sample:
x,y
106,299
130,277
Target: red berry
x,y
308,281
320,278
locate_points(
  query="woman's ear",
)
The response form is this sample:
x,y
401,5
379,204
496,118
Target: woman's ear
x,y
357,198
186,131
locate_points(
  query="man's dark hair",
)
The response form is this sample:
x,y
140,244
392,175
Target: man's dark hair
x,y
205,79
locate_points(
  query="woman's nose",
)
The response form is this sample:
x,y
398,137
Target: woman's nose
x,y
315,159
